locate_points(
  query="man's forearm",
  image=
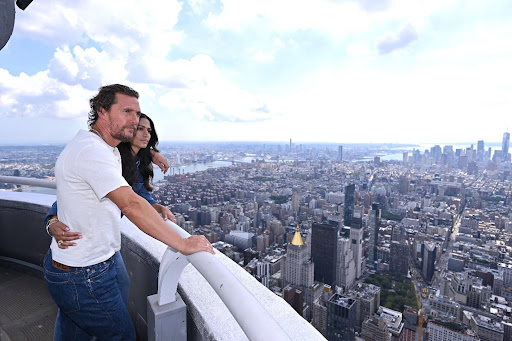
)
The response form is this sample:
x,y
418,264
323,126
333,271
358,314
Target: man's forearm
x,y
145,217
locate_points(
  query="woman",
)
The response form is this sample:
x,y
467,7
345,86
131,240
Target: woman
x,y
136,159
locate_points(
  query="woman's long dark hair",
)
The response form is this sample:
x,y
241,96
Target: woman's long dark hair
x,y
145,167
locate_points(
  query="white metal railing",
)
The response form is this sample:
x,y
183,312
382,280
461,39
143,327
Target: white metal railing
x,y
216,274
225,284
28,181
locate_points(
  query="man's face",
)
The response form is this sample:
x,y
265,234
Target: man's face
x,y
123,117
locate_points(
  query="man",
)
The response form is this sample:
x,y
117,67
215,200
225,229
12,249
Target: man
x,y
92,193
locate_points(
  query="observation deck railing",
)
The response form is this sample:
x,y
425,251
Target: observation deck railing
x,y
253,318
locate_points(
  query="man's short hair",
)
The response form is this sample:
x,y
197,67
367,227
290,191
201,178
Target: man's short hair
x,y
105,98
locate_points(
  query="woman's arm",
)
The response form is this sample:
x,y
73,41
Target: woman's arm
x,y
165,212
58,230
159,160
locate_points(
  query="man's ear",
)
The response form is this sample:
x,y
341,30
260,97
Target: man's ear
x,y
102,112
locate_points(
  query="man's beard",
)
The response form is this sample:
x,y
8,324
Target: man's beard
x,y
121,136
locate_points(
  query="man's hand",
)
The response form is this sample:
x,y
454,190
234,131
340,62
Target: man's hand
x,y
159,160
60,232
195,244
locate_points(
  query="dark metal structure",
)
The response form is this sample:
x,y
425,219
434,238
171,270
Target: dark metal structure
x,y
7,14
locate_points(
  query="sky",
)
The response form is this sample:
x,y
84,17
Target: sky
x,y
337,71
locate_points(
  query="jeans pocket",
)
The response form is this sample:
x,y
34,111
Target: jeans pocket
x,y
97,271
63,292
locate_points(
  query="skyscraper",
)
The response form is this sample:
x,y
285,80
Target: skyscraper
x,y
341,318
428,260
298,268
480,150
324,252
374,224
399,257
504,146
348,208
356,240
346,270
340,153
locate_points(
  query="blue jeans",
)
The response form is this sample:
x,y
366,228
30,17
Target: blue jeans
x,y
92,300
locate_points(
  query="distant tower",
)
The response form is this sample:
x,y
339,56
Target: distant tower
x,y
505,145
324,251
340,153
480,150
356,239
341,318
374,224
298,268
290,146
405,157
295,202
348,208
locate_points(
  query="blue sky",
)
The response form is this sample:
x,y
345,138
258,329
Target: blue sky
x,y
338,71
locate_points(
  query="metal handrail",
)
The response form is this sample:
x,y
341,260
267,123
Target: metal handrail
x,y
28,181
225,284
218,276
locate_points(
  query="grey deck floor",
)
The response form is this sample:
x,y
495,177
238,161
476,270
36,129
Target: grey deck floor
x,y
27,312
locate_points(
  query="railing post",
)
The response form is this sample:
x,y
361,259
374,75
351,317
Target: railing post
x,y
167,313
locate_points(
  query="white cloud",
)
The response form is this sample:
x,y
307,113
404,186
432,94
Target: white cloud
x,y
40,95
263,57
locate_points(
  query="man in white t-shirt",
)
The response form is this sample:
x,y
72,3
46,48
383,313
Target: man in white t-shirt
x,y
91,194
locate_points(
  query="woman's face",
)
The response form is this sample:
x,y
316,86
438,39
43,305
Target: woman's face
x,y
143,134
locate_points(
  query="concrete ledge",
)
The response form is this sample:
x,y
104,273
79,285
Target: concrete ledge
x,y
211,317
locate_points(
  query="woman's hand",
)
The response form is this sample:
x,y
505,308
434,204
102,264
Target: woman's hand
x,y
165,212
62,236
159,160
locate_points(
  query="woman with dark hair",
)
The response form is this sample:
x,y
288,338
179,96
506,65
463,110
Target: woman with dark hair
x,y
136,159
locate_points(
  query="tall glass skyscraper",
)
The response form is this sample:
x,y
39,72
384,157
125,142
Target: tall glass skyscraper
x,y
348,208
324,252
505,144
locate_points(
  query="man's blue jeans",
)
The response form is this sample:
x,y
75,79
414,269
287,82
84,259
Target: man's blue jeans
x,y
92,300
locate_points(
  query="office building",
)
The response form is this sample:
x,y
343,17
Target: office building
x,y
505,145
428,260
442,331
375,329
341,318
356,240
340,153
486,328
399,257
368,301
348,207
297,266
346,269
480,150
374,224
324,252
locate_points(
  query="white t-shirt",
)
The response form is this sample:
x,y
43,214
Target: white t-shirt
x,y
86,171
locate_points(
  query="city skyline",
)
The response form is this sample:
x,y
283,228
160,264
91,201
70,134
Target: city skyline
x,y
350,71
